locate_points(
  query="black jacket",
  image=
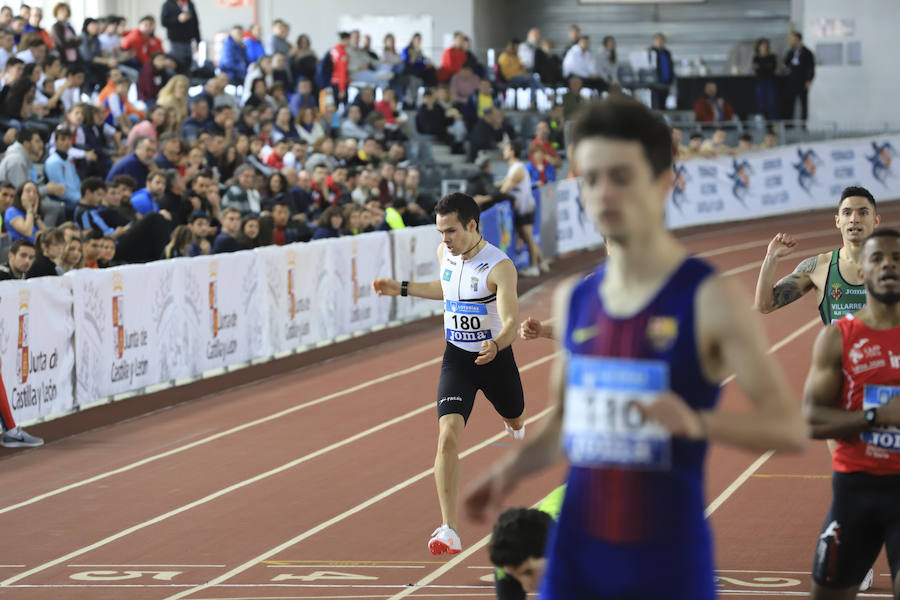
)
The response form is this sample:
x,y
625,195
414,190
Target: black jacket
x,y
178,31
42,267
805,69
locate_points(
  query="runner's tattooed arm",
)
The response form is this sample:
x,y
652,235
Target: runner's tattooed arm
x,y
795,285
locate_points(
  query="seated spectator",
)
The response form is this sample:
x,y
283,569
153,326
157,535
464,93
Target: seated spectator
x,y
364,190
60,168
431,118
308,127
480,185
174,95
146,200
580,62
107,253
284,232
463,84
150,128
23,220
154,76
198,122
118,111
17,167
607,64
276,190
513,71
304,97
330,224
529,48
353,126
170,153
453,58
249,235
93,245
416,64
421,203
540,171
227,240
72,256
487,134
233,60
361,66
137,164
118,197
20,258
278,39
542,138
692,150
222,122
142,43
548,64
336,184
179,243
49,246
242,195
745,143
715,145
275,159
710,108
770,140
199,226
283,126
573,99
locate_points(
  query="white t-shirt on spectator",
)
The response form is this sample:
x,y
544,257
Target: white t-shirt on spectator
x,y
526,55
579,62
109,43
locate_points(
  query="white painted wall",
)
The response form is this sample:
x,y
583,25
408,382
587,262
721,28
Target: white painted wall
x,y
864,94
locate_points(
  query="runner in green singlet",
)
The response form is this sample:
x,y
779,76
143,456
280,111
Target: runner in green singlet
x,y
834,275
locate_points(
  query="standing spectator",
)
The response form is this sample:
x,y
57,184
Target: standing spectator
x,y
179,17
340,65
23,220
49,246
278,39
764,65
142,42
529,48
453,57
665,71
137,164
21,257
65,40
34,26
60,168
580,62
801,70
710,108
227,240
233,59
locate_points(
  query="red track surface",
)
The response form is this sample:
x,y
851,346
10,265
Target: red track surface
x,y
335,499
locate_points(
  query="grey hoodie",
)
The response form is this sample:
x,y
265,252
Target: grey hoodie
x,y
16,165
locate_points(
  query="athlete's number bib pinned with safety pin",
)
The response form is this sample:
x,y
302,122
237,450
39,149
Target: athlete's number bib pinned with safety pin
x,y
602,425
466,321
883,436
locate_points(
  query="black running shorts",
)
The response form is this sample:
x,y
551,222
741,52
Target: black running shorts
x,y
864,514
461,379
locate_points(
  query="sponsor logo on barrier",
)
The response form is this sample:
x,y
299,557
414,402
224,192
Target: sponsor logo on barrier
x,y
806,168
740,178
679,193
881,161
22,343
213,299
118,320
292,262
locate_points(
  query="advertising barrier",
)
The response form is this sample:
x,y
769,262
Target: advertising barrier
x,y
415,259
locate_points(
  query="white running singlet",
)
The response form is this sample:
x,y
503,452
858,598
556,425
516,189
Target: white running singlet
x,y
470,309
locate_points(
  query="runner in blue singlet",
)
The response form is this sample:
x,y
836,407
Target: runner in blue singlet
x,y
645,345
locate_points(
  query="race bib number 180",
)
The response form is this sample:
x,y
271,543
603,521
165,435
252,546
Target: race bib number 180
x,y
466,321
883,437
602,425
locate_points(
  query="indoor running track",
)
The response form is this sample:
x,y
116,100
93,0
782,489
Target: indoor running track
x,y
318,484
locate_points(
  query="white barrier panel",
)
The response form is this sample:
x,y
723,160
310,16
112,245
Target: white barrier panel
x,y
294,280
784,180
574,228
415,259
129,328
352,264
36,329
225,309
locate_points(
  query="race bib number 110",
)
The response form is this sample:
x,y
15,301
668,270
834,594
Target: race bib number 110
x,y
602,425
885,437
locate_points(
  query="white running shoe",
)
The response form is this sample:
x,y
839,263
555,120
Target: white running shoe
x,y
867,582
532,271
517,434
545,266
444,541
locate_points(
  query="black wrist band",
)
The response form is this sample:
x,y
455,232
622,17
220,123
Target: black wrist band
x,y
404,288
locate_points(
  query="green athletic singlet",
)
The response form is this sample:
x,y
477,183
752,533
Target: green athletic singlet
x,y
840,298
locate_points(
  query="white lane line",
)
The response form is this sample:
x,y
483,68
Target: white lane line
x,y
709,510
221,434
241,484
762,243
348,513
153,566
346,566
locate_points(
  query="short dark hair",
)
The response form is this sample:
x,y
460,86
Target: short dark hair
x,y
746,137
6,185
857,190
519,534
27,134
150,18
463,205
883,233
92,184
93,234
627,119
126,180
798,34
197,216
19,244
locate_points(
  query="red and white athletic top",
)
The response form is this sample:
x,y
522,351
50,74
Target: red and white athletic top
x,y
871,364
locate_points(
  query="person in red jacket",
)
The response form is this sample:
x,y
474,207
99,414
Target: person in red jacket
x,y
340,72
142,42
453,58
710,108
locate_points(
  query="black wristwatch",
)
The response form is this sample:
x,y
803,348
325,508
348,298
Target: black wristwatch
x,y
870,414
404,288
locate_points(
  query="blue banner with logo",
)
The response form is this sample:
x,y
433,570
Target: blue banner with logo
x,y
498,229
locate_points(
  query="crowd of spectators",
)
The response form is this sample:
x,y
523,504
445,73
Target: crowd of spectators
x,y
277,145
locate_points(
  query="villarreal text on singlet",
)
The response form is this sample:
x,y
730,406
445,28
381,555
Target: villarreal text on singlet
x,y
840,298
632,523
